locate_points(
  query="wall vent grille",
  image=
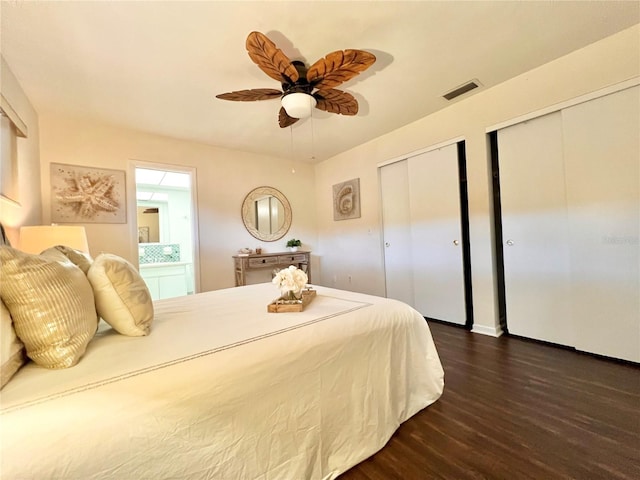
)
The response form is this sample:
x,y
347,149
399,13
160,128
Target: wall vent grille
x,y
462,89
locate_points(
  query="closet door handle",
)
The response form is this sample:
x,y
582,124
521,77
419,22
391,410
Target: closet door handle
x,y
387,244
456,242
510,242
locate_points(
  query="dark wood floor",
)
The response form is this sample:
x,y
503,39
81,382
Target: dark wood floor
x,y
515,409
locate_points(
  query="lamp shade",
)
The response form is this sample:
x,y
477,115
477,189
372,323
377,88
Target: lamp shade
x,y
36,239
298,105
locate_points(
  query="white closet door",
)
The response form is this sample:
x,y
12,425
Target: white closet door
x,y
436,235
602,158
398,263
534,228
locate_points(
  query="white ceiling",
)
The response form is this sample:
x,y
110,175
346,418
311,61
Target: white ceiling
x,y
156,66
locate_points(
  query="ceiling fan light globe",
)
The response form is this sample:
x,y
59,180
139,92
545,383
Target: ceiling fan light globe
x,y
298,105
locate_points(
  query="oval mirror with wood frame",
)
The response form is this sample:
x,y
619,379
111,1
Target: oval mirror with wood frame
x,y
266,214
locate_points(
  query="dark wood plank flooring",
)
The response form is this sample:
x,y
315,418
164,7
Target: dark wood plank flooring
x,y
516,409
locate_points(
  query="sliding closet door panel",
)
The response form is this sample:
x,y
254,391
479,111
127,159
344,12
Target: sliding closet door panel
x,y
534,228
602,158
438,268
396,220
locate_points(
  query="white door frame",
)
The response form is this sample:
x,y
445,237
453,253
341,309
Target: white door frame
x,y
132,204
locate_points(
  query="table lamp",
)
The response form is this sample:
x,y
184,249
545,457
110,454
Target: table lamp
x,y
36,239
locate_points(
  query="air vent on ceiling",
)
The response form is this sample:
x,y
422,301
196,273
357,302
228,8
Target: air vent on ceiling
x,y
467,87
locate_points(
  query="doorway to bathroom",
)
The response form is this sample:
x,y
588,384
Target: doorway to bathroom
x,y
166,229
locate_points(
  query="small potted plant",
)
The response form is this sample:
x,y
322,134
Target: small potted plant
x,y
293,244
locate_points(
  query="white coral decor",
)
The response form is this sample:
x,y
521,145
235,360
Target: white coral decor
x,y
291,281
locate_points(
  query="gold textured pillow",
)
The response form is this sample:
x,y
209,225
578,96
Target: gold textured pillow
x,y
11,347
122,298
79,258
52,306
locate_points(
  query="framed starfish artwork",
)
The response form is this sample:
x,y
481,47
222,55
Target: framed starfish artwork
x,y
87,195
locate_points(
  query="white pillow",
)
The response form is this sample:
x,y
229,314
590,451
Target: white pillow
x,y
122,297
81,259
11,347
51,304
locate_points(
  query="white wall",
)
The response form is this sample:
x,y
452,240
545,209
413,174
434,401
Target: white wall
x,y
224,177
28,209
353,247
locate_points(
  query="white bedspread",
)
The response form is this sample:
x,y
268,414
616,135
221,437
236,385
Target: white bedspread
x,y
221,389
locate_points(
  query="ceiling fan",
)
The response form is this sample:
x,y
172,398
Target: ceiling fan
x,y
303,87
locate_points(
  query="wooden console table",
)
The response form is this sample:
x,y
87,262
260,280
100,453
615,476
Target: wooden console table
x,y
273,261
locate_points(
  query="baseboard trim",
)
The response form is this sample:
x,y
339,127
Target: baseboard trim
x,y
481,329
600,356
490,331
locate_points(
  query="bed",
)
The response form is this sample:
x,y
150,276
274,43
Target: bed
x,y
221,389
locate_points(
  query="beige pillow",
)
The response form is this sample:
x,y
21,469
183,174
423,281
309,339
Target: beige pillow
x,y
52,306
122,298
79,258
11,347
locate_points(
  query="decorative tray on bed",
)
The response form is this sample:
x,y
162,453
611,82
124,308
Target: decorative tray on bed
x,y
283,306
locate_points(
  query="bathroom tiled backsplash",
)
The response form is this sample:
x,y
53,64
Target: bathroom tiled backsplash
x,y
158,252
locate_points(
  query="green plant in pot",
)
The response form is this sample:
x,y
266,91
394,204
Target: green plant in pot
x,y
293,244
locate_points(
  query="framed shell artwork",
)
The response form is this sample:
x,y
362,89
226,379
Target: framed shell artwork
x,y
346,200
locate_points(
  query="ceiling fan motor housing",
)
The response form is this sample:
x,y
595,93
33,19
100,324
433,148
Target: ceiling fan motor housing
x,y
301,85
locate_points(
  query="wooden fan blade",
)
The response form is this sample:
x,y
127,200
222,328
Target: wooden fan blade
x,y
285,120
251,95
338,67
336,101
270,58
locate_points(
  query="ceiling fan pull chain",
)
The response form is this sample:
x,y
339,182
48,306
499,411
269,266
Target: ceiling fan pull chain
x,y
293,158
313,140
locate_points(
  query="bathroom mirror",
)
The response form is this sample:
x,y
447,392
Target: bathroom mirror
x,y
150,217
266,214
